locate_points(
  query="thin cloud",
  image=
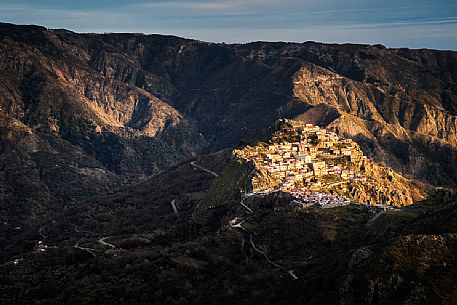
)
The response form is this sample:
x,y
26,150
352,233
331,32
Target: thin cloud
x,y
245,20
207,5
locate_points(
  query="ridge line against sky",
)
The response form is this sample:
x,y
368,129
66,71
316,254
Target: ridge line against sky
x,y
407,23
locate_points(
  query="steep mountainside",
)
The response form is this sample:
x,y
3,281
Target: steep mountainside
x,y
83,113
399,104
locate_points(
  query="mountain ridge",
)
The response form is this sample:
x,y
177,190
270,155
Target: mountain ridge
x,y
127,106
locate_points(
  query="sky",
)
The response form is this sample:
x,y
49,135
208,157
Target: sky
x,y
393,23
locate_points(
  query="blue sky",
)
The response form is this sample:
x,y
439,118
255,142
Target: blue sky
x,y
394,23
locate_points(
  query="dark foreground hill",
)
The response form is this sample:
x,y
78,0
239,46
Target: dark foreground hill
x,y
131,248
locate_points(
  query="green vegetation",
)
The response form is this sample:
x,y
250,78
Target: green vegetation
x,y
330,178
340,145
399,217
235,176
345,224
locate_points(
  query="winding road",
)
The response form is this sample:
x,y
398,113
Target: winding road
x,y
88,250
196,166
251,241
103,242
246,195
239,225
290,272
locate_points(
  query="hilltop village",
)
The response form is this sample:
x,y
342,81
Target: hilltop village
x,y
314,165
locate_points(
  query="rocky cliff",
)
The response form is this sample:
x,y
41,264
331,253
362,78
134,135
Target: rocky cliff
x,y
113,108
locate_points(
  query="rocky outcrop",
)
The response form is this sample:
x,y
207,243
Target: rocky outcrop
x,y
404,272
384,185
390,128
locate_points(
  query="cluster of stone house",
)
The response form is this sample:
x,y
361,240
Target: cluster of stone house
x,y
301,157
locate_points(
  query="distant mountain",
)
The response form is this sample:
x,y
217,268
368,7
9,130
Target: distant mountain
x,y
82,114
